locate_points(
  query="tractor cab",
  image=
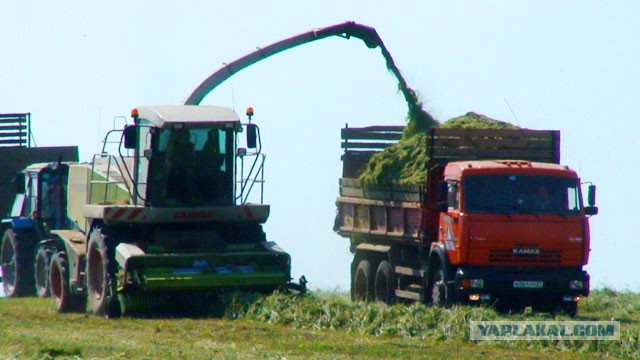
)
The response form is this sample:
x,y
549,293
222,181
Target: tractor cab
x,y
42,195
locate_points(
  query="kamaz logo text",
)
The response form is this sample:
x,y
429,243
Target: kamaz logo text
x,y
526,251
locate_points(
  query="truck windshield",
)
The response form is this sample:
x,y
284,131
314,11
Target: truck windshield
x,y
192,167
521,194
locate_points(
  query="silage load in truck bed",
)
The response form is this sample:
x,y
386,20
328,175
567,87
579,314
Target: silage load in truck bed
x,y
405,162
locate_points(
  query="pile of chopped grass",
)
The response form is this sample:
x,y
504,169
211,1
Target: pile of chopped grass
x,y
473,120
405,163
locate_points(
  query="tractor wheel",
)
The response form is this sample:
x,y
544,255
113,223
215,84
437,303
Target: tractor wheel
x,y
384,286
440,292
101,270
362,282
63,300
16,257
41,271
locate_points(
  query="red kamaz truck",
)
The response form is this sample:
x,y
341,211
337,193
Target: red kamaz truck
x,y
497,220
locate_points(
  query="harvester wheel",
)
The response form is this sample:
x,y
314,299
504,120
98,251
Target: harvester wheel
x,y
384,287
63,299
101,270
41,270
362,282
440,292
16,257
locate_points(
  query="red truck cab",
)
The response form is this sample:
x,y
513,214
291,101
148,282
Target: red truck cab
x,y
515,229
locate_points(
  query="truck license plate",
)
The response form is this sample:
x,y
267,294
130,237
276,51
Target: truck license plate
x,y
528,284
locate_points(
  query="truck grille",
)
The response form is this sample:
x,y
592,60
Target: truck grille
x,y
543,256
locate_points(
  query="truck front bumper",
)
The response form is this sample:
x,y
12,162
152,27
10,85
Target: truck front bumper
x,y
475,283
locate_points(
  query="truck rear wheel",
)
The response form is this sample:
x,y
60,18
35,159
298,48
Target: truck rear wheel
x,y
17,259
384,287
41,271
101,269
63,299
362,282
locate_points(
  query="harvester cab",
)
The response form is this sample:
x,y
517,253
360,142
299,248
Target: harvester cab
x,y
183,158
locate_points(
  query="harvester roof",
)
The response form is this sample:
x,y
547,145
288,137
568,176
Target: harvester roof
x,y
165,116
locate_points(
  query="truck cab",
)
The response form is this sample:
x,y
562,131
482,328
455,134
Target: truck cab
x,y
515,229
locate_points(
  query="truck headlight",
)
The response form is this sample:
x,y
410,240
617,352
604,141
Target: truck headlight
x,y
576,284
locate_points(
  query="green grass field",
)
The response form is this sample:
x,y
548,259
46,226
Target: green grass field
x,y
324,325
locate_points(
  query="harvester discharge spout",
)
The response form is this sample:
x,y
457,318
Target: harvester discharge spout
x,y
345,30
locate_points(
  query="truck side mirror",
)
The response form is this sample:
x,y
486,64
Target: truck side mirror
x,y
443,189
130,137
591,197
19,182
591,209
252,136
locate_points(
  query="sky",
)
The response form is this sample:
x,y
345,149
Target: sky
x,y
80,66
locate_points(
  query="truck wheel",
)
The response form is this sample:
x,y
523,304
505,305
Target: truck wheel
x,y
362,282
384,287
101,269
63,300
440,295
17,264
41,270
570,308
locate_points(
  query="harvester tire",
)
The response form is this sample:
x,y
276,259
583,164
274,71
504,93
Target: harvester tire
x,y
63,299
101,270
41,273
16,258
384,286
362,282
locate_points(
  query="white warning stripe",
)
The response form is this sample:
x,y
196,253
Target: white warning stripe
x,y
450,239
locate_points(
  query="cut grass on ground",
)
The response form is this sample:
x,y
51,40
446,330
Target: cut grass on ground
x,y
326,326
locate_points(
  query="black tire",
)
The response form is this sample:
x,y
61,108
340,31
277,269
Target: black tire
x,y
569,308
101,279
384,286
63,299
439,291
507,306
557,306
41,273
17,256
362,282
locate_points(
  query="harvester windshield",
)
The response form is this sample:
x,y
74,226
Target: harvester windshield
x,y
522,194
189,167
